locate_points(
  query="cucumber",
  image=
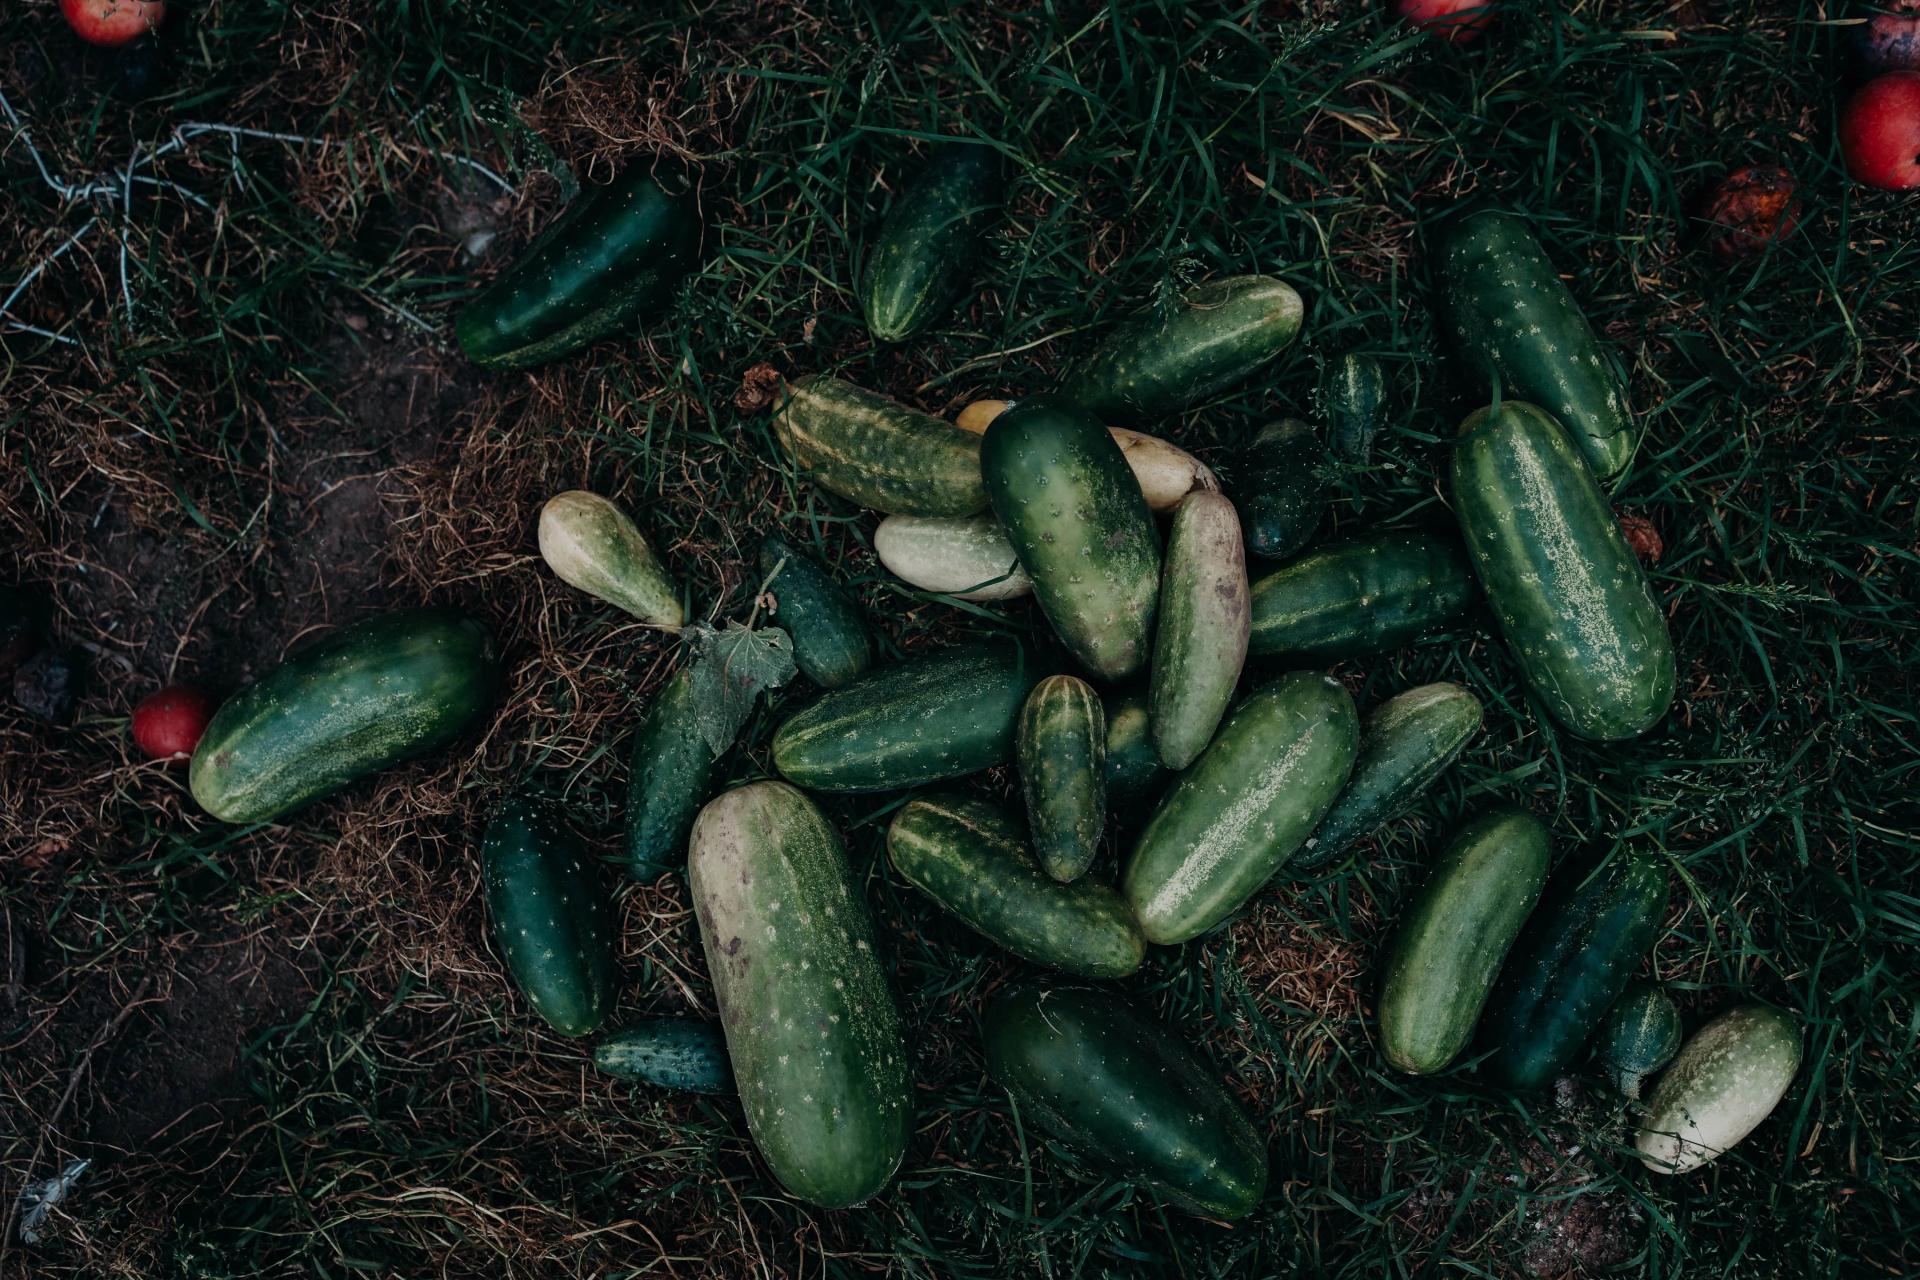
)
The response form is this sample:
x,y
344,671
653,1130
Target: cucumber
x,y
1353,396
1161,362
1243,808
832,642
355,701
1061,744
816,1044
1166,473
925,719
675,1053
1572,601
930,243
1727,1078
1512,322
876,452
1453,935
1640,1035
1360,598
1080,528
972,858
669,773
1282,489
1575,958
1204,616
1134,770
1125,1093
966,557
550,914
1405,743
593,545
616,252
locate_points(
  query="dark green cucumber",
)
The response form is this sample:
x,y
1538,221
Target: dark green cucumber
x,y
925,719
688,1054
1282,489
1353,397
669,772
1061,744
1454,934
1125,1093
1360,598
972,858
1243,808
1571,599
878,452
816,1044
1405,743
1511,320
1726,1079
1082,530
1575,958
353,702
1161,362
930,243
832,642
1134,769
1640,1035
1204,616
550,914
616,252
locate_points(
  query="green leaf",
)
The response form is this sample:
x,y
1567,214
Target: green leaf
x,y
731,668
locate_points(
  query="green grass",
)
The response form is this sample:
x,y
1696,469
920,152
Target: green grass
x,y
407,1115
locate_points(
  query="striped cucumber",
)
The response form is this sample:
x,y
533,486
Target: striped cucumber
x,y
966,557
928,247
550,914
1282,488
1061,744
1204,619
670,769
832,642
877,452
593,545
1360,598
1640,1035
1353,397
1726,1079
688,1054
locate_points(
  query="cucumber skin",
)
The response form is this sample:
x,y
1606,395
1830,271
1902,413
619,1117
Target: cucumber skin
x,y
688,1054
615,252
1124,1092
1242,808
1080,527
1134,769
966,557
592,545
876,452
669,773
924,719
1360,598
1570,597
1205,614
815,1040
832,642
971,858
1577,955
1405,743
1510,318
560,955
1640,1035
353,702
1282,493
1454,934
1154,365
1353,395
930,242
1061,744
1726,1079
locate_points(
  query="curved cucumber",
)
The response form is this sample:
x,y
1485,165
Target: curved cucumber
x,y
675,1053
1204,619
832,642
591,544
669,772
1282,492
877,452
1727,1078
550,915
1640,1035
1062,746
1134,769
1353,395
966,557
1360,598
930,243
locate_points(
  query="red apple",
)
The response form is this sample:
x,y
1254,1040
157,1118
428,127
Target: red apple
x,y
1889,40
1880,132
1455,20
167,725
1749,208
112,23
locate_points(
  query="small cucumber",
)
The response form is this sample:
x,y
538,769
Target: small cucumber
x,y
1134,769
688,1054
1353,396
593,545
1282,489
966,557
1727,1078
1062,749
550,915
930,243
876,452
1640,1035
669,772
1360,598
1204,619
832,642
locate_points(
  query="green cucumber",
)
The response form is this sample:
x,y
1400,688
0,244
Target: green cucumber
x,y
1576,957
1061,744
353,702
688,1054
1571,599
832,642
1640,1035
593,545
1134,770
816,1044
1405,743
1727,1078
925,719
1164,361
1282,489
1513,323
669,772
1125,1093
1454,934
930,243
1080,527
616,252
878,452
1353,396
966,557
1204,616
972,858
1360,598
551,917
1243,808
